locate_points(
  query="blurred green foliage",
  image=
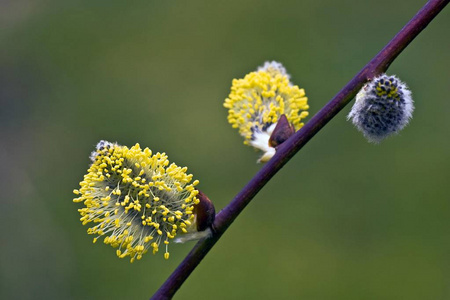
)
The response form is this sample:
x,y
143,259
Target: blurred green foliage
x,y
343,220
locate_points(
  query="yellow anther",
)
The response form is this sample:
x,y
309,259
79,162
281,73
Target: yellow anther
x,y
109,207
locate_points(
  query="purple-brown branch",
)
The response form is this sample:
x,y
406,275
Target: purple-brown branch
x,y
288,149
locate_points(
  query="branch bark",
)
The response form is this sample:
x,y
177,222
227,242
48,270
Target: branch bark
x,y
288,149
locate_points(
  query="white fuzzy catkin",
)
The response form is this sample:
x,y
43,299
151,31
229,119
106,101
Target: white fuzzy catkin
x,y
383,107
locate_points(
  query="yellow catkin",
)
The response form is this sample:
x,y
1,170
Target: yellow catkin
x,y
127,212
259,99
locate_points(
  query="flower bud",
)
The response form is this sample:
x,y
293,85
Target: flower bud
x,y
383,107
204,212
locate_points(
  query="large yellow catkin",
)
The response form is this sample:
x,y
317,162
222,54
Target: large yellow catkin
x,y
135,199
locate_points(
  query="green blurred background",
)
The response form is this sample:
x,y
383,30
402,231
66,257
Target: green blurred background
x,y
344,219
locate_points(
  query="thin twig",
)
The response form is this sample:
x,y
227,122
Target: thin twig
x,y
288,149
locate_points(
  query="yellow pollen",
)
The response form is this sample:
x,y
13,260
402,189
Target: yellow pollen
x,y
131,196
261,97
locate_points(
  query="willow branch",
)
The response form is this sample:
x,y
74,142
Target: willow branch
x,y
288,149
